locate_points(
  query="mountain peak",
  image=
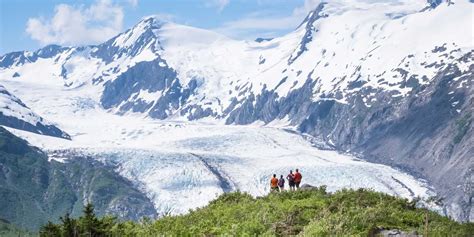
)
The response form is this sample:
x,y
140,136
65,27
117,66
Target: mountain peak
x,y
313,15
308,24
140,33
151,22
132,42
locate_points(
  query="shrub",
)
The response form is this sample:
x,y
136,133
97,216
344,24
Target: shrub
x,y
307,213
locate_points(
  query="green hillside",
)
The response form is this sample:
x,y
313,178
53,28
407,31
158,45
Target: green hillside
x,y
9,230
305,213
34,190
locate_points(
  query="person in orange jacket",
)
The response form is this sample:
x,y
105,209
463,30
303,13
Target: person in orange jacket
x,y
298,178
274,184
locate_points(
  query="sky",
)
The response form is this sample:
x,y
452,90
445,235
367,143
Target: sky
x,y
32,24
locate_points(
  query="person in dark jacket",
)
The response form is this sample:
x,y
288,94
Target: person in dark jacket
x,y
281,183
291,180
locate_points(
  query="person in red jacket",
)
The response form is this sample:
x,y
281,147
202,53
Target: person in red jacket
x,y
298,178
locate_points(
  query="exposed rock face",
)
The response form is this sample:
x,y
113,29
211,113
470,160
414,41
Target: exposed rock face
x,y
312,17
34,190
15,114
39,128
307,187
428,133
381,232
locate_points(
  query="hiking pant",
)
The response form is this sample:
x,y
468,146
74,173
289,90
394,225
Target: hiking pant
x,y
292,185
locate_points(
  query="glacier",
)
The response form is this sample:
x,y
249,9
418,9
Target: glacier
x,y
182,165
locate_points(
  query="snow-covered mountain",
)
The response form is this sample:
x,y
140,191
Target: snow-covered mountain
x,y
341,47
15,114
389,81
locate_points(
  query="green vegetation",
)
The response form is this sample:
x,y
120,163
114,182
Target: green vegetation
x,y
33,190
306,213
9,230
87,225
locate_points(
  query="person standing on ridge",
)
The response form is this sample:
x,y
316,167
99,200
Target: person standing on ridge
x,y
291,180
298,178
274,184
281,183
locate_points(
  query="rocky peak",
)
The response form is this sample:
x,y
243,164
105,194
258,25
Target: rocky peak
x,y
308,24
133,41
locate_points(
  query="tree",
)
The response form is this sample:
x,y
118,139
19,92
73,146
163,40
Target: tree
x,y
69,226
89,223
50,230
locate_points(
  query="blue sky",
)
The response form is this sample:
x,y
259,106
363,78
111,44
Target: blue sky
x,y
31,24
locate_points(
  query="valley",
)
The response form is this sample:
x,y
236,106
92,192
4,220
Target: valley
x,y
182,165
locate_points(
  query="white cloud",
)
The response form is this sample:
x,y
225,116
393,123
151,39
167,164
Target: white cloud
x,y
134,3
78,25
255,25
220,4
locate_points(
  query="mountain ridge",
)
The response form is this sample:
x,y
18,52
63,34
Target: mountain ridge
x,y
16,114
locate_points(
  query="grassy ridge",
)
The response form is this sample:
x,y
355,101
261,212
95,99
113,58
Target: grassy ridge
x,y
305,213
